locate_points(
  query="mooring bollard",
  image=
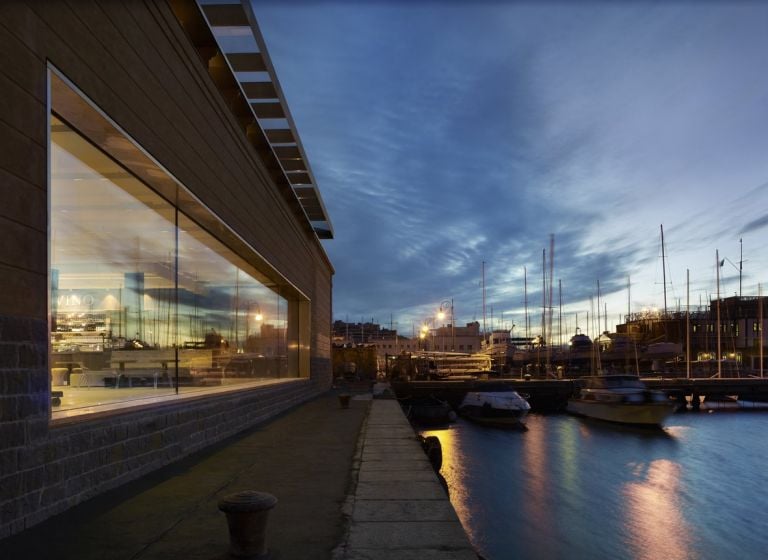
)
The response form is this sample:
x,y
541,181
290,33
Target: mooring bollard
x,y
344,400
247,514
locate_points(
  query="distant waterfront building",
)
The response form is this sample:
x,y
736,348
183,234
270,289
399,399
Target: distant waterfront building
x,y
358,333
441,339
395,344
466,339
742,328
164,282
387,342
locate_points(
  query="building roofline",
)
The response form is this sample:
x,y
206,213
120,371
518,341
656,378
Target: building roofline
x,y
268,115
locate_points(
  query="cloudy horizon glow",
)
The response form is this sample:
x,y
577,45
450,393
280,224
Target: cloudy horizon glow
x,y
448,135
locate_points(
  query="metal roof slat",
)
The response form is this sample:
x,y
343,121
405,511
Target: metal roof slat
x,y
226,15
293,164
247,62
259,90
286,156
268,110
280,136
304,191
299,178
287,151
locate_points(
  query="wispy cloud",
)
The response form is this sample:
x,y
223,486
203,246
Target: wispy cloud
x,y
448,135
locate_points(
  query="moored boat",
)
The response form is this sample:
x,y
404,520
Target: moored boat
x,y
753,401
451,365
498,408
427,411
623,399
720,402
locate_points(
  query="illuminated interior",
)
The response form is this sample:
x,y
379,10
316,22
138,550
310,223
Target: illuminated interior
x,y
145,302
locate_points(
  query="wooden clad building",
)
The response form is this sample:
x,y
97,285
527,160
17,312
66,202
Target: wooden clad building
x,y
163,281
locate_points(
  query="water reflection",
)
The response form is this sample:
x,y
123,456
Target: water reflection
x,y
591,428
569,488
538,514
569,450
454,471
655,522
470,454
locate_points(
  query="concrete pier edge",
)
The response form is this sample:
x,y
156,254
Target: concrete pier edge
x,y
397,507
348,507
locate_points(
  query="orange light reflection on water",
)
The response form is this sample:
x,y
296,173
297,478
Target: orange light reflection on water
x,y
534,462
455,472
655,523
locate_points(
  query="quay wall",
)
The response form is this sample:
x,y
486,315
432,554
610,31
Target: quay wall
x,y
553,394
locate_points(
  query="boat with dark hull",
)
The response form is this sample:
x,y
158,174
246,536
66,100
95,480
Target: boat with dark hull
x,y
720,402
427,410
753,402
622,399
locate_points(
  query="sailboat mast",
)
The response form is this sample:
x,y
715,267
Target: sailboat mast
x,y
741,262
551,282
687,323
598,306
664,270
550,311
719,351
560,316
237,308
544,295
525,300
483,279
760,323
597,349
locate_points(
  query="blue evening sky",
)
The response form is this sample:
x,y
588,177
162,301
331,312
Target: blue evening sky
x,y
448,134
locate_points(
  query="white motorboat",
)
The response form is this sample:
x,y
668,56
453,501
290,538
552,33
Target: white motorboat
x,y
621,398
498,408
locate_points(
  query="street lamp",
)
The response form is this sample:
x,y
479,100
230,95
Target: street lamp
x,y
445,306
257,316
424,332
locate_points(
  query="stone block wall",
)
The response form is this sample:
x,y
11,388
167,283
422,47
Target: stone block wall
x,y
46,473
24,412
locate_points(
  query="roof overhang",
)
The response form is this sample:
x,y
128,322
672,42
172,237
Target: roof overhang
x,y
242,53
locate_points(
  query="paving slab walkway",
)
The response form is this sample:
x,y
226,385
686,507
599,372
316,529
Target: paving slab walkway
x,y
351,484
399,508
304,457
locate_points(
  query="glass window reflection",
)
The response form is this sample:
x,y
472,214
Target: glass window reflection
x,y
145,303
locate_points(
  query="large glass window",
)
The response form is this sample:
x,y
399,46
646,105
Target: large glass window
x,y
145,302
238,322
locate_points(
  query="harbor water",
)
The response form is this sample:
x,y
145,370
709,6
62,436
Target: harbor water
x,y
571,488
